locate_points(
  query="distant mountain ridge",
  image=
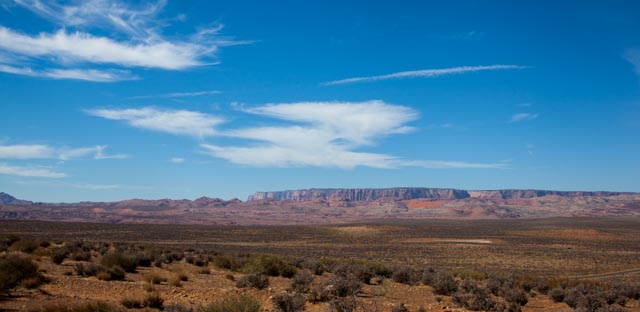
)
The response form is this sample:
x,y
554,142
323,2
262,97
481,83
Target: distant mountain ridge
x,y
408,193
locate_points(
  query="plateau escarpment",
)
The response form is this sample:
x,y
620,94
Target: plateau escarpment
x,y
408,193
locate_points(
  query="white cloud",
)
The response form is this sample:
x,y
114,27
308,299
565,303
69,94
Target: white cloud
x,y
425,73
633,57
177,160
523,117
135,40
95,152
94,75
444,164
22,151
27,171
84,47
176,94
326,134
179,122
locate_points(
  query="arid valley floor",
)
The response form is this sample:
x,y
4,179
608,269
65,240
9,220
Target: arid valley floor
x,y
563,253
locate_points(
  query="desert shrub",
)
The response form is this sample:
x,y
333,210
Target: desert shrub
x,y
31,282
289,302
154,301
126,262
11,239
86,307
585,297
337,286
315,266
399,308
176,307
427,276
225,262
302,281
81,256
103,276
25,245
89,269
443,284
155,278
45,243
58,255
381,270
556,294
347,304
259,281
514,296
132,303
621,292
238,303
473,297
269,265
542,287
15,268
404,275
145,259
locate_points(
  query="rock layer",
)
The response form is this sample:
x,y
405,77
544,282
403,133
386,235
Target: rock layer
x,y
407,193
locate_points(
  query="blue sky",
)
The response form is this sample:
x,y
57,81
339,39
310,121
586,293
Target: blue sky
x,y
112,100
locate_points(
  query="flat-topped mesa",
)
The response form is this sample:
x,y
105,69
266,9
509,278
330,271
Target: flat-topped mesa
x,y
516,194
407,193
362,194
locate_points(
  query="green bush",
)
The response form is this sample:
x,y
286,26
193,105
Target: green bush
x,y
259,281
87,307
126,262
301,282
289,302
154,301
237,303
25,245
15,268
443,284
269,265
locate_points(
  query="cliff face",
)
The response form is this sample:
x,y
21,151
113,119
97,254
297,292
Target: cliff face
x,y
412,193
362,194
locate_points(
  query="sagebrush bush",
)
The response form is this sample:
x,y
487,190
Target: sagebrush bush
x,y
132,303
269,265
237,303
337,286
347,304
58,255
126,262
288,302
301,282
556,294
15,268
154,301
154,278
399,308
472,296
443,284
259,281
25,245
86,307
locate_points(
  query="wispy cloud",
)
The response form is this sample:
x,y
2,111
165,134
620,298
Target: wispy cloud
x,y
633,57
22,151
176,94
179,122
523,117
29,171
94,75
73,52
424,73
39,151
176,160
326,134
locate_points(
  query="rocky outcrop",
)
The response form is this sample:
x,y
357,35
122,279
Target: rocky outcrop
x,y
363,194
517,194
407,193
7,199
